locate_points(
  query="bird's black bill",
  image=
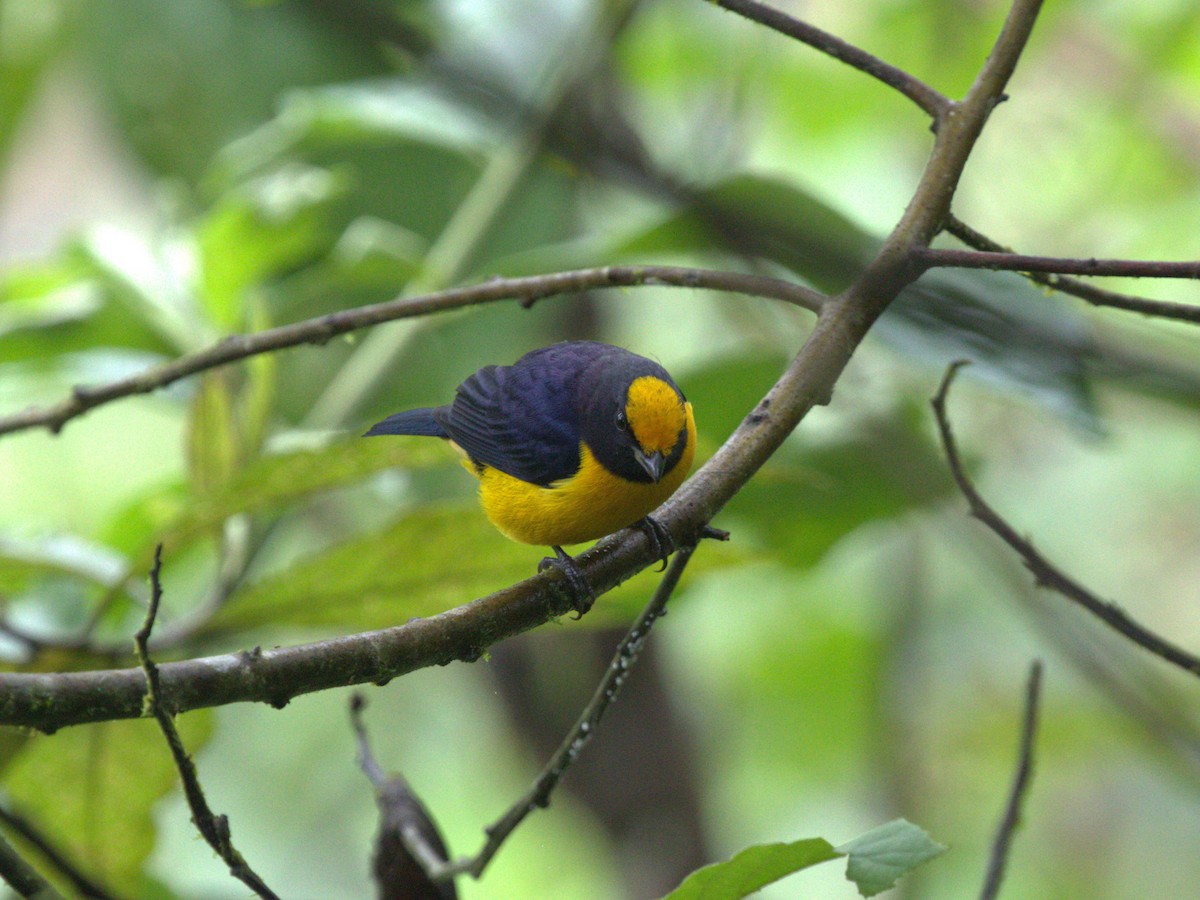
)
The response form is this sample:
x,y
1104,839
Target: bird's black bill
x,y
653,463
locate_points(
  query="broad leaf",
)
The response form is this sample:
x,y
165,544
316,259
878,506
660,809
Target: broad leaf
x,y
65,306
260,231
213,444
277,479
875,861
882,855
753,869
353,115
93,788
1020,337
434,559
807,498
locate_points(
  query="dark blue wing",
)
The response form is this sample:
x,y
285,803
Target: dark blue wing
x,y
521,419
411,421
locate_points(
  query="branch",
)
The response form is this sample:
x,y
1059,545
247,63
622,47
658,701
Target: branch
x,y
214,828
928,99
1081,289
409,845
1016,797
321,329
47,701
538,795
21,876
1019,262
956,136
1044,572
31,834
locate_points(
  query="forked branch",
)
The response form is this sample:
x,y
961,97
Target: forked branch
x,y
1045,573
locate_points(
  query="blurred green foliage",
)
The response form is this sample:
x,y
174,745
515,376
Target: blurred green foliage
x,y
853,656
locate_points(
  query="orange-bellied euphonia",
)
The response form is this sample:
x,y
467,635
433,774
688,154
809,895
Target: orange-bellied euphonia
x,y
570,443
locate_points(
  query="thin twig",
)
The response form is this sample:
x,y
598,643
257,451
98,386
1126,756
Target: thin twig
x,y
409,845
1073,286
213,828
928,99
1044,572
321,329
23,877
538,795
47,701
1020,262
1016,796
31,834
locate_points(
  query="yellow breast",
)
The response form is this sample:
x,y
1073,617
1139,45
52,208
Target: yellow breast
x,y
589,505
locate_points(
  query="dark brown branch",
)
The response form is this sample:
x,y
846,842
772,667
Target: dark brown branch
x,y
893,267
1002,843
47,701
319,330
31,834
538,795
928,99
1044,572
214,828
23,878
1073,286
931,257
409,845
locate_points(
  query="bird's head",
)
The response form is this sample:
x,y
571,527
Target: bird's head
x,y
635,420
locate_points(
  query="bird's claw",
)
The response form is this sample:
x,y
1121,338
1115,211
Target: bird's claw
x,y
582,595
660,539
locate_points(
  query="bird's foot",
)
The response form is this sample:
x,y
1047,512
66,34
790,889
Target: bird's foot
x,y
660,539
582,594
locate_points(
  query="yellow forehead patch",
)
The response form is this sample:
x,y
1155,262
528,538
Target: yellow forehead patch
x,y
655,414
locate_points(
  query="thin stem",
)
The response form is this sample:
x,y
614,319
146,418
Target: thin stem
x,y
1002,843
958,131
1083,290
409,845
31,834
322,329
538,795
1020,262
1044,572
924,96
213,828
49,701
470,224
21,876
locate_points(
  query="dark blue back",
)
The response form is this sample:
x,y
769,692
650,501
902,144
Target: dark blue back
x,y
523,419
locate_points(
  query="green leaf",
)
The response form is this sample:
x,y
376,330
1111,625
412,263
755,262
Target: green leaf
x,y
68,305
1020,337
177,515
25,563
368,113
429,561
259,231
807,498
214,451
1016,336
93,789
151,276
882,855
32,34
222,76
753,869
762,216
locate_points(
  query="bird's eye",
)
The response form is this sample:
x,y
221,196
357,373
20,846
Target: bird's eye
x,y
622,421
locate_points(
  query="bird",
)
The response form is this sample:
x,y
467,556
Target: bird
x,y
570,443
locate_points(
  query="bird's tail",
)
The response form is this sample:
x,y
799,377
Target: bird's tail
x,y
411,421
